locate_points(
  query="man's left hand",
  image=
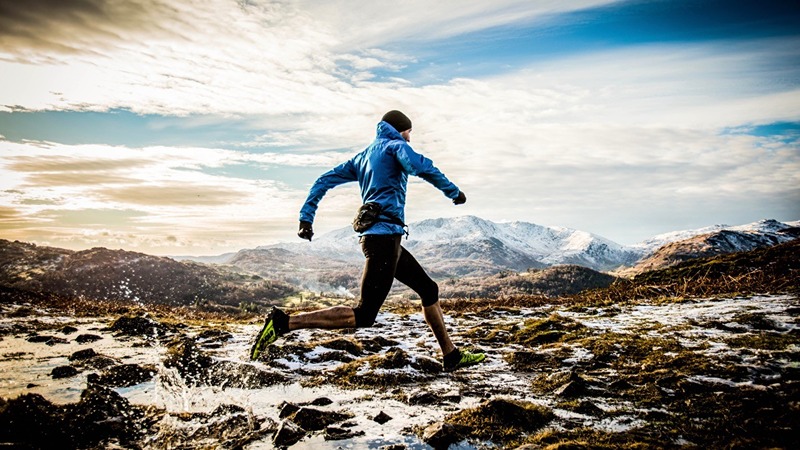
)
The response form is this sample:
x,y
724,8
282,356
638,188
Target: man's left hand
x,y
461,199
306,231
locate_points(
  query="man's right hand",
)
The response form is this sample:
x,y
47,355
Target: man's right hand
x,y
461,199
306,231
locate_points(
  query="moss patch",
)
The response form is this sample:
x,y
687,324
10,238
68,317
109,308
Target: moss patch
x,y
544,331
501,420
765,340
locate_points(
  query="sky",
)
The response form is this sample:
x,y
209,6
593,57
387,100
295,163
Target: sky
x,y
180,127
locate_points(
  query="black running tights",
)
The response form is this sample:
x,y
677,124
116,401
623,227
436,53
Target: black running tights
x,y
387,260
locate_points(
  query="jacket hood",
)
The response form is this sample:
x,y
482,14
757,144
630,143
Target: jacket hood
x,y
387,131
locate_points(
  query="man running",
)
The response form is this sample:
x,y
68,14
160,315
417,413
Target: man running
x,y
382,171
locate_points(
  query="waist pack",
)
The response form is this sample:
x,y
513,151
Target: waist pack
x,y
371,213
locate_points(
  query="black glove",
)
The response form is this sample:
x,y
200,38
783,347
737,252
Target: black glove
x,y
306,231
461,199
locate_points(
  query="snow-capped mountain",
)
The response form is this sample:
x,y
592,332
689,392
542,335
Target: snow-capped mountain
x,y
666,250
471,245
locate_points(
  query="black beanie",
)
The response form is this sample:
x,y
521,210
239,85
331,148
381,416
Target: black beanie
x,y
398,120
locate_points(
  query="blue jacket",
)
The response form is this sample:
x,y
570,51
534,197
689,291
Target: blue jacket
x,y
382,171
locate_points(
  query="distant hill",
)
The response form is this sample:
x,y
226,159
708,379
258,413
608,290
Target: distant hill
x,y
718,242
766,270
553,281
117,275
467,247
468,256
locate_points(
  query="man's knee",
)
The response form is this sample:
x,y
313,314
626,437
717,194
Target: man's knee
x,y
364,318
431,295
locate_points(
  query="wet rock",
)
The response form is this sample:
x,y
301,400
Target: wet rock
x,y
98,362
571,389
63,372
288,434
339,356
138,326
287,351
81,355
22,311
382,418
312,419
183,355
440,435
336,434
31,419
575,386
427,365
230,374
87,338
345,345
101,414
422,398
452,397
321,401
393,447
286,409
227,409
587,408
47,340
395,358
214,335
127,375
68,329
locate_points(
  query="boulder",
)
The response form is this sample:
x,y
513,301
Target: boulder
x,y
321,401
63,372
183,355
395,358
382,418
313,419
336,434
126,375
440,435
422,398
138,326
427,365
102,414
286,409
82,354
288,434
87,338
31,419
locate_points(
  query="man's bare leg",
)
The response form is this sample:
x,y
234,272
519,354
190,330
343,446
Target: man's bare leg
x,y
435,319
328,318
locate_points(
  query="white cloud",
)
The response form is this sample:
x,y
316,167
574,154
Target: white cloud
x,y
590,141
54,191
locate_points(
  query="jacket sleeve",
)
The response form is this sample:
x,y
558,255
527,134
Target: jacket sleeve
x,y
416,164
343,173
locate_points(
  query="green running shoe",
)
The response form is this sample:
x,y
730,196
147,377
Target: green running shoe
x,y
269,333
458,359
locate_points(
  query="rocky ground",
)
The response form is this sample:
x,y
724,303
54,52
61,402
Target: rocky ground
x,y
701,373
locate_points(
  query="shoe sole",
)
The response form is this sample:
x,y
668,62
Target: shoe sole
x,y
266,336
